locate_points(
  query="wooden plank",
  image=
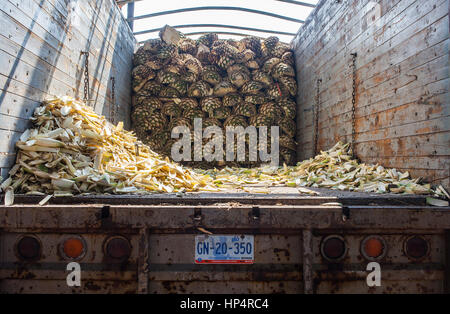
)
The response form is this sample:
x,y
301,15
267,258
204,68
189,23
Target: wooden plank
x,y
340,79
14,103
401,52
77,55
422,101
343,67
351,30
425,99
40,52
52,73
401,18
7,160
422,145
52,54
430,162
73,47
11,123
9,139
403,78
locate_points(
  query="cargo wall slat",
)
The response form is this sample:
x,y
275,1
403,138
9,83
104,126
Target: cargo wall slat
x,y
40,45
49,30
342,75
343,104
402,102
71,48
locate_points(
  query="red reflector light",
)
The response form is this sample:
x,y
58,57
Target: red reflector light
x,y
373,247
416,247
333,248
73,247
29,248
118,248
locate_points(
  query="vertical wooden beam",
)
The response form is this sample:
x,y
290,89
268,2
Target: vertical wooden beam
x,y
130,14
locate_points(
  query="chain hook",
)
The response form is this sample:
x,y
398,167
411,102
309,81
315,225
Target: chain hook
x,y
86,75
354,55
137,146
316,116
112,108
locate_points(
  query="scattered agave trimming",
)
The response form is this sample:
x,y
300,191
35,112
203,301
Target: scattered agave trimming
x,y
72,150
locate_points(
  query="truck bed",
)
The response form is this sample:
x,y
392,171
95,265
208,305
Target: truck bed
x,y
275,195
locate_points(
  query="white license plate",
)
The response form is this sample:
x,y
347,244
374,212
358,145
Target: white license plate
x,y
224,249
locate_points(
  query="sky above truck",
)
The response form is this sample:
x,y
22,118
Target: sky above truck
x,y
234,18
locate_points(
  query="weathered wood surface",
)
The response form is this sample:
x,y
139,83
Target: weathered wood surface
x,y
40,45
402,100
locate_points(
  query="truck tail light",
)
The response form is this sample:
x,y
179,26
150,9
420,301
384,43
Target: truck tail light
x,y
73,247
416,247
373,247
118,248
333,248
28,248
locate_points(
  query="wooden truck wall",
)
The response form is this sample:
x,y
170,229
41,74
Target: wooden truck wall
x,y
402,82
40,56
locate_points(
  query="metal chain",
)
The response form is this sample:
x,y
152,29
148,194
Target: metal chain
x,y
137,145
112,108
353,102
316,116
86,75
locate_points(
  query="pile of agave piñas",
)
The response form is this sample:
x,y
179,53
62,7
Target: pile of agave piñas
x,y
72,150
225,82
334,168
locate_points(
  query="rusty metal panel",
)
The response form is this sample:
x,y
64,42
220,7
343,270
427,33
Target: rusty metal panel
x,y
57,217
276,195
287,244
59,286
277,267
98,273
399,274
407,285
222,216
228,287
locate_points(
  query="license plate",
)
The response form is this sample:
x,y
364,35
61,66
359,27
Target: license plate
x,y
224,249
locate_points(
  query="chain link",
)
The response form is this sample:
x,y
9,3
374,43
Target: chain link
x,y
137,145
112,108
316,116
353,101
86,76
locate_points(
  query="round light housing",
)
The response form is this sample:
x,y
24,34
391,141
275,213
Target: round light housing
x,y
73,247
118,248
416,247
28,248
333,248
373,247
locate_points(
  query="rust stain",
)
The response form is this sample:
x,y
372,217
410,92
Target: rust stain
x,y
423,130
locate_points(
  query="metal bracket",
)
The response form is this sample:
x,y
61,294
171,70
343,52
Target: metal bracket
x,y
256,213
197,215
345,213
